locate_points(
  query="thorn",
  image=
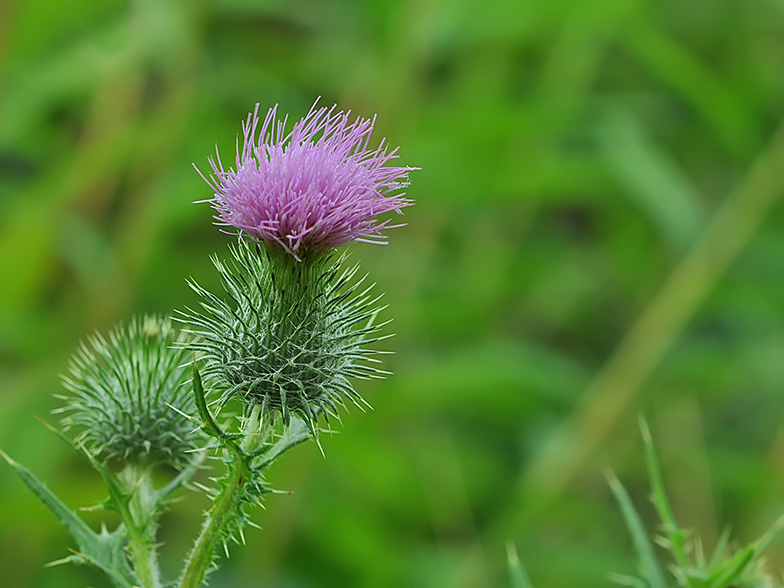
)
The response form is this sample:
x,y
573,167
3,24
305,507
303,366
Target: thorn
x,y
187,416
42,421
511,553
59,562
287,492
80,555
202,487
321,449
644,430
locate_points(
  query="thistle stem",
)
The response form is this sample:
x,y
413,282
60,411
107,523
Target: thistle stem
x,y
145,560
140,520
204,550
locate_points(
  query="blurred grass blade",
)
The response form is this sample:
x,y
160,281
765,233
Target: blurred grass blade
x,y
732,568
654,333
674,534
516,571
721,106
62,75
105,551
642,543
627,581
652,179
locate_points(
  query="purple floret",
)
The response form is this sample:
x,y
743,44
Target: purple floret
x,y
315,188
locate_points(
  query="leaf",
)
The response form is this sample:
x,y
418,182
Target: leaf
x,y
106,551
732,568
297,432
182,478
119,498
642,544
652,179
674,533
209,426
516,571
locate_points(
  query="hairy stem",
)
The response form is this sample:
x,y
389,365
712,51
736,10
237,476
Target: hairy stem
x,y
225,503
140,520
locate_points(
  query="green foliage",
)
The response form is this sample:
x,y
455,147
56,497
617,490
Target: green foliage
x,y
728,566
573,152
131,493
139,506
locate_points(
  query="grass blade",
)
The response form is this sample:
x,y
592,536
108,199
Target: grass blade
x,y
642,544
516,571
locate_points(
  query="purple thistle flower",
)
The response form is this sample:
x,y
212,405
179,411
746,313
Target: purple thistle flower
x,y
313,189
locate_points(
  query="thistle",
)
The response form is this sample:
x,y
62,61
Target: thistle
x,y
131,398
292,328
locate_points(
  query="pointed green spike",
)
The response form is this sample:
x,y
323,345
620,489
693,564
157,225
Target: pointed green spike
x,y
642,543
675,534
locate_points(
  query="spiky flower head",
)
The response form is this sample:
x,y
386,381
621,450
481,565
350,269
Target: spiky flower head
x,y
131,394
316,187
289,335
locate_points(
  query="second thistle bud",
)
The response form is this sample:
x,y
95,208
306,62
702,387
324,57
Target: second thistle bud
x,y
131,394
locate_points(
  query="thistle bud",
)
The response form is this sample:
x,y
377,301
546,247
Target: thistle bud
x,y
289,335
131,394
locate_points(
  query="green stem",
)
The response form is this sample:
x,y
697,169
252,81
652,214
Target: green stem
x,y
255,432
225,503
139,517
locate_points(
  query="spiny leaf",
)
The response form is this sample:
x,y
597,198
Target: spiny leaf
x,y
297,432
105,551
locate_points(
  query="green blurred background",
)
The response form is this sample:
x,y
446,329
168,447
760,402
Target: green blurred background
x,y
598,234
